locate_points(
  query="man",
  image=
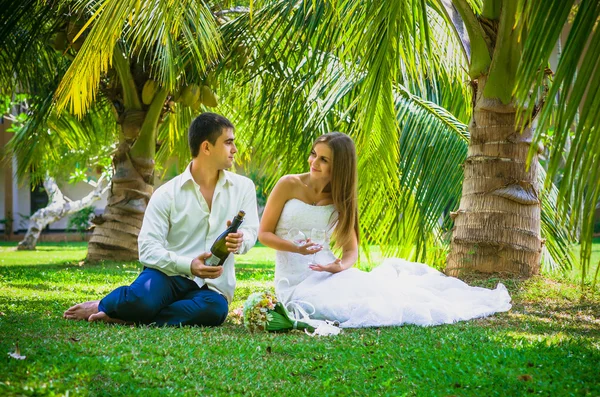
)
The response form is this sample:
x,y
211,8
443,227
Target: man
x,y
183,218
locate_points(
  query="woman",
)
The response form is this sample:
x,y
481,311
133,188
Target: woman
x,y
394,293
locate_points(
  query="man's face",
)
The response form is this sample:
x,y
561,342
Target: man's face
x,y
223,151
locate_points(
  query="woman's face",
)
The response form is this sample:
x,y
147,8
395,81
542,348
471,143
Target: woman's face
x,y
321,161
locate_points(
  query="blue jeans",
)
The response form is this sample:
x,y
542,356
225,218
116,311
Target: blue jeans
x,y
163,300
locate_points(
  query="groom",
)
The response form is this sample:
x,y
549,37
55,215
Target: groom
x,y
183,218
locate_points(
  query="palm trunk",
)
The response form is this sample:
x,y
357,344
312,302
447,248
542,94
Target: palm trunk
x,y
116,231
497,227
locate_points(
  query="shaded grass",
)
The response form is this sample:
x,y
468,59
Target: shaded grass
x,y
548,344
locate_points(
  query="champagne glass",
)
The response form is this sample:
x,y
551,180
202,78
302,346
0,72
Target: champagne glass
x,y
296,236
317,236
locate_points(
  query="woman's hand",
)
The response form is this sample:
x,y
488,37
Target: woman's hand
x,y
333,267
308,248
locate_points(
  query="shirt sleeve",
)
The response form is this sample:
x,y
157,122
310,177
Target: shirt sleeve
x,y
250,225
153,237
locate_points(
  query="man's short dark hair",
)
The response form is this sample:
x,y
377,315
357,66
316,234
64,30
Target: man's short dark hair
x,y
206,127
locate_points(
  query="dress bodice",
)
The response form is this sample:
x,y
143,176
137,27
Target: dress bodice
x,y
298,214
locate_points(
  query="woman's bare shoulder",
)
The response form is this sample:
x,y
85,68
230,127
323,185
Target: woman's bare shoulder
x,y
289,187
292,180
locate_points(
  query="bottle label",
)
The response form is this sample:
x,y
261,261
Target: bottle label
x,y
213,260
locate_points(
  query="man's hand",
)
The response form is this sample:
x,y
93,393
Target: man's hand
x,y
199,269
234,240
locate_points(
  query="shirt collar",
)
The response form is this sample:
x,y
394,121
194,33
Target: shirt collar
x,y
224,177
186,175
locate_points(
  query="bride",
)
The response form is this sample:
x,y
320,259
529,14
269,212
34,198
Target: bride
x,y
311,279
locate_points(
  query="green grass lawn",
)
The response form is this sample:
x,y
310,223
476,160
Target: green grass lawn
x,y
548,344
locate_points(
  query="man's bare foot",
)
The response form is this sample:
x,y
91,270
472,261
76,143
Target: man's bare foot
x,y
81,311
101,316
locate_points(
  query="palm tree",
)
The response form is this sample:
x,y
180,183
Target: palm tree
x,y
136,58
318,65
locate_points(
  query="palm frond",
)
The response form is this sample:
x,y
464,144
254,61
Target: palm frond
x,y
49,142
181,38
432,146
172,137
290,29
476,5
559,238
174,37
28,63
446,80
573,93
80,83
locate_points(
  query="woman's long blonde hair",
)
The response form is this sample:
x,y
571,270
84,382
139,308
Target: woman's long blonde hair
x,y
343,185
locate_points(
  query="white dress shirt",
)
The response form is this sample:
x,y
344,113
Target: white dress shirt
x,y
178,226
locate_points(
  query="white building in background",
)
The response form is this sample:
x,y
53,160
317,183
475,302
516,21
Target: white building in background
x,y
19,200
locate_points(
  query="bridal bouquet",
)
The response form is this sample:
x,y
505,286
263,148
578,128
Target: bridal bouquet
x,y
262,312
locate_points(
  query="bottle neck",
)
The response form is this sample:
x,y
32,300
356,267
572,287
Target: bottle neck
x,y
237,221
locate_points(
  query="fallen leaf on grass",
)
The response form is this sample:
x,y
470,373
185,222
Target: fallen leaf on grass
x,y
17,353
525,378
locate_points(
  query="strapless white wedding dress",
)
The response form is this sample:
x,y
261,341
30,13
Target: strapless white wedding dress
x,y
395,292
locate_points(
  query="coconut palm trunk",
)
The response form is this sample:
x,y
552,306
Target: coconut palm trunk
x,y
116,231
497,226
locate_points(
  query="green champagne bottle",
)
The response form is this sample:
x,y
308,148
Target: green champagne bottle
x,y
219,248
